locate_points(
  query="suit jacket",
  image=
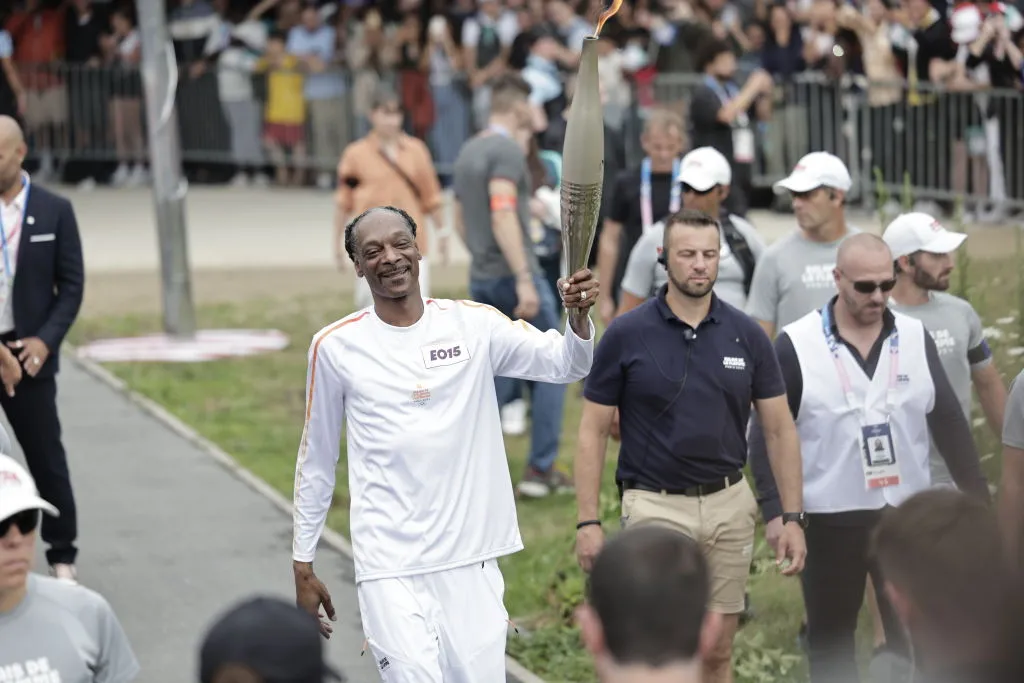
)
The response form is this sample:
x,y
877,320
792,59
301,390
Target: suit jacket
x,y
49,276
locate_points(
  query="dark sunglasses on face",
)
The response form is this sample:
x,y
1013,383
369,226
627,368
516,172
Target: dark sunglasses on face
x,y
26,521
692,190
869,287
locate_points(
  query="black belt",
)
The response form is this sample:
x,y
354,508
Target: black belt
x,y
692,491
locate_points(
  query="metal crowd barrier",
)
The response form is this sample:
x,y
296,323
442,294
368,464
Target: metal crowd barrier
x,y
945,145
76,113
942,146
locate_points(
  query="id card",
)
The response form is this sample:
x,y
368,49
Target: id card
x,y
743,145
878,456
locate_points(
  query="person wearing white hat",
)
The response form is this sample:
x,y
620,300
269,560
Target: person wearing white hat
x,y
794,276
50,629
923,252
705,177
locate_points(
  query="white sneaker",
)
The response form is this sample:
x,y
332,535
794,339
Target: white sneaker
x,y
87,185
64,572
513,418
240,180
121,175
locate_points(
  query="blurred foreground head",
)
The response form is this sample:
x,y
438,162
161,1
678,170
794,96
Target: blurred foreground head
x,y
646,609
945,575
264,640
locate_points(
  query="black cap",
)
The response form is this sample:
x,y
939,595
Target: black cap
x,y
274,639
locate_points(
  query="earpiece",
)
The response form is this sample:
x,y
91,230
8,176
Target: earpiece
x,y
661,260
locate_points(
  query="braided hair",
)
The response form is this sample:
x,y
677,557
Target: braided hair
x,y
350,229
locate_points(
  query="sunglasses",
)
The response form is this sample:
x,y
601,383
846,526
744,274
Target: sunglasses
x,y
869,286
693,190
26,521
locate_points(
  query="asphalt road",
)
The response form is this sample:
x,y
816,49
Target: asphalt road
x,y
172,539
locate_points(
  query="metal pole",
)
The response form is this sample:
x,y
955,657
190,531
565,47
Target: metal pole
x,y
160,80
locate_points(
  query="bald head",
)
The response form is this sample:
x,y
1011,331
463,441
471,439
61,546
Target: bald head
x,y
861,247
12,155
10,132
864,277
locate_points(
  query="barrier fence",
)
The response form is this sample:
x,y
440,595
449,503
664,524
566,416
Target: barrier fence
x,y
945,144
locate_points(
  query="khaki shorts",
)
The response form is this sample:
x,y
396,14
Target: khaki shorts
x,y
722,523
46,107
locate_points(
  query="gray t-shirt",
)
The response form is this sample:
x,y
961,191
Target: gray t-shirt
x,y
644,276
956,328
63,633
1013,422
793,278
482,159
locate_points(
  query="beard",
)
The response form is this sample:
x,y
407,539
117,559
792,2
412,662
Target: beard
x,y
694,290
866,313
931,282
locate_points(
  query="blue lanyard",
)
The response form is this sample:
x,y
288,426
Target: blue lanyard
x,y
725,92
844,377
500,130
646,212
8,273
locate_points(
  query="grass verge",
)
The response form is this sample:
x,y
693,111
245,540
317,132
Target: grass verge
x,y
253,407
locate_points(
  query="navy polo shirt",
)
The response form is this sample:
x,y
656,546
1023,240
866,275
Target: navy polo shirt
x,y
684,404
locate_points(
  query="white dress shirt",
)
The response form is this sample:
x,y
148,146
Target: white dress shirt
x,y
11,217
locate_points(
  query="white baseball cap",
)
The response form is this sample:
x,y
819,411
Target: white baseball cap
x,y
965,23
814,170
18,490
703,168
913,232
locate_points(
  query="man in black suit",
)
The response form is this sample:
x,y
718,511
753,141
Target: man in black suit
x,y
41,282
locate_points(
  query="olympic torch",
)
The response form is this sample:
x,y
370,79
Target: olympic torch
x,y
582,163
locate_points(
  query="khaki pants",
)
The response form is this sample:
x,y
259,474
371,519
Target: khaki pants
x,y
722,523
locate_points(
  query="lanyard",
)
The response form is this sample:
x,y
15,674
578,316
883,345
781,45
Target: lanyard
x,y
5,238
500,130
646,212
726,93
844,377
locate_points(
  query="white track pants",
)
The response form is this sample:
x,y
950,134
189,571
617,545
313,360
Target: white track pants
x,y
364,298
442,627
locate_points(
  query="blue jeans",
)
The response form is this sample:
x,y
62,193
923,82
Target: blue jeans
x,y
548,400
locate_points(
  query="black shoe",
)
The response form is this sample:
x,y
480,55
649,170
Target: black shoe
x,y
747,614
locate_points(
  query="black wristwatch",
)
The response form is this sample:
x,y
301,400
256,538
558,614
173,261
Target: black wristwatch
x,y
799,517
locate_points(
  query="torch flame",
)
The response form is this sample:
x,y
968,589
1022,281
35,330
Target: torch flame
x,y
607,14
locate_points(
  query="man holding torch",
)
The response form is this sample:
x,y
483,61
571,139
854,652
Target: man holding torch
x,y
432,507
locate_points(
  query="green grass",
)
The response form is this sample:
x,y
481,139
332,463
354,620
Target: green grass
x,y
253,408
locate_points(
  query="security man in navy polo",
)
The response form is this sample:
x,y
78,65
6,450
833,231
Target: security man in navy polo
x,y
683,369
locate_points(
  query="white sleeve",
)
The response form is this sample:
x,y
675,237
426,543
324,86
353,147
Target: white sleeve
x,y
319,451
519,350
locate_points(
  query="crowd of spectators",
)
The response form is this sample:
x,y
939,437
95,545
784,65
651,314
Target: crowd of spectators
x,y
919,87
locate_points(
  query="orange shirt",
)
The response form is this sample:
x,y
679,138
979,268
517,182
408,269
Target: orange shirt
x,y
377,183
38,46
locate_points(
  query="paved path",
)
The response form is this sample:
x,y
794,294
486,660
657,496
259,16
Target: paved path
x,y
171,538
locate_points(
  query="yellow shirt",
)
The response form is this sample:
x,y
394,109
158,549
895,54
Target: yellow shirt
x,y
285,101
